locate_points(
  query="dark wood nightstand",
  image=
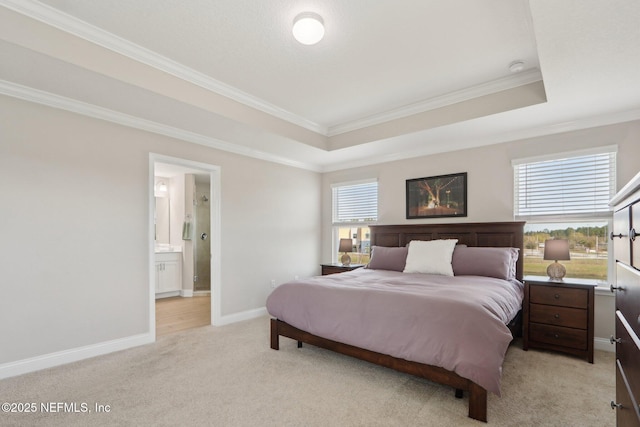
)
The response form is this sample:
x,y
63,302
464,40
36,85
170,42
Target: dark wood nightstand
x,y
338,268
559,315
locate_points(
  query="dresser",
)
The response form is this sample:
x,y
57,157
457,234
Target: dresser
x,y
626,250
559,316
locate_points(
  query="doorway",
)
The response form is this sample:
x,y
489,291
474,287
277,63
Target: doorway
x,y
193,230
177,314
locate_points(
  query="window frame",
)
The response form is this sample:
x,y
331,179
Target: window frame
x,y
602,211
572,218
336,225
610,257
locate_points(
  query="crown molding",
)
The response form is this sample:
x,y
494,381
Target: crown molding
x,y
65,22
520,79
63,103
60,20
56,101
456,145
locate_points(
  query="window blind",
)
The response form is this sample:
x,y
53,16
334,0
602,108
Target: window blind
x,y
571,187
355,203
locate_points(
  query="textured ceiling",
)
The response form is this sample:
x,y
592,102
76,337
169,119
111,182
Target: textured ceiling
x,y
390,79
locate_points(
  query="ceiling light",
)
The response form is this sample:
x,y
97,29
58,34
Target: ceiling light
x,y
308,28
161,189
516,66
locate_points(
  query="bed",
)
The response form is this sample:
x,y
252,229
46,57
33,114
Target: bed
x,y
378,314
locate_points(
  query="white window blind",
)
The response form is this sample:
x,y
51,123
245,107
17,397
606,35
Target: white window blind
x,y
355,203
572,187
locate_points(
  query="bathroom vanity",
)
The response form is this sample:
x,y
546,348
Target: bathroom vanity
x,y
168,266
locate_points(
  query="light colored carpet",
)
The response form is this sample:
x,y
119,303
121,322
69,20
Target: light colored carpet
x,y
229,376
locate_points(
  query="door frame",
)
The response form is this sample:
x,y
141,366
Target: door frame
x,y
214,172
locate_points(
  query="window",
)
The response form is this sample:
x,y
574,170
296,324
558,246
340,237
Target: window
x,y
567,196
355,207
577,186
588,247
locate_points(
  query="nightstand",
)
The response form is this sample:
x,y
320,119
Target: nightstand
x,y
558,316
338,268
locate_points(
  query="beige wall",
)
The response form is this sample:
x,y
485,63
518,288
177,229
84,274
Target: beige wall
x,y
75,218
490,174
75,212
490,183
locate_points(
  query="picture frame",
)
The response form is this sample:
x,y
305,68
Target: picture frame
x,y
437,196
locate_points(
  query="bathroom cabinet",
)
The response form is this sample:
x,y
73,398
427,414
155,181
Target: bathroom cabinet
x,y
168,274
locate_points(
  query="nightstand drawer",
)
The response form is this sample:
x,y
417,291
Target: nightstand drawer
x,y
558,335
555,295
559,316
338,268
332,270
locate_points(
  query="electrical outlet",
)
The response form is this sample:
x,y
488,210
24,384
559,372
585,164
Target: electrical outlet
x,y
273,283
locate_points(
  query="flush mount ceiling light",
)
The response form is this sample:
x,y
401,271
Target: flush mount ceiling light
x,y
308,28
516,66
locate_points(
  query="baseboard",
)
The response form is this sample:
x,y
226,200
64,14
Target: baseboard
x,y
239,317
50,360
603,344
186,293
168,294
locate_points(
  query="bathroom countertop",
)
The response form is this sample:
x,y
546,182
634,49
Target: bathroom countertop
x,y
167,249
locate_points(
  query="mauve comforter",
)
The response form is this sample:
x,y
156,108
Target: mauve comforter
x,y
457,323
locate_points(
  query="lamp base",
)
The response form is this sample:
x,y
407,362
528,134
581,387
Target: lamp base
x,y
346,259
556,271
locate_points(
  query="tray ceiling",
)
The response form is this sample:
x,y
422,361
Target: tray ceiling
x,y
389,80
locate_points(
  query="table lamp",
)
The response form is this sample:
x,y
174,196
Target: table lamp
x,y
346,245
556,249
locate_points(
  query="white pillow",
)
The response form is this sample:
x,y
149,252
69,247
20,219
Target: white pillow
x,y
430,256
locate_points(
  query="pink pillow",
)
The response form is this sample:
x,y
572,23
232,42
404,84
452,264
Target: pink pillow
x,y
383,258
480,261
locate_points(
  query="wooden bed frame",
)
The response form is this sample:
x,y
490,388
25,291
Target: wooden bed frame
x,y
497,234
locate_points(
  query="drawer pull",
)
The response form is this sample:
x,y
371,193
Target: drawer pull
x,y
557,316
615,405
613,340
557,296
556,336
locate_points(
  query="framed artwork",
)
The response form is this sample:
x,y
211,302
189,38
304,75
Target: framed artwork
x,y
437,196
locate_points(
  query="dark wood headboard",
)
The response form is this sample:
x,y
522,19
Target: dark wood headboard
x,y
497,234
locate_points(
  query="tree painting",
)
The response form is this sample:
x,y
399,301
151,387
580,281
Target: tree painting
x,y
437,196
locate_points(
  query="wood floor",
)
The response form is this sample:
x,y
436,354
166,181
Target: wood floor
x,y
178,313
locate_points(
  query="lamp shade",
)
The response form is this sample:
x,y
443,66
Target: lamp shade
x,y
556,250
346,245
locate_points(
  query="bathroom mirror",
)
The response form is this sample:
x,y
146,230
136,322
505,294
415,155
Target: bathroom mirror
x,y
162,220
